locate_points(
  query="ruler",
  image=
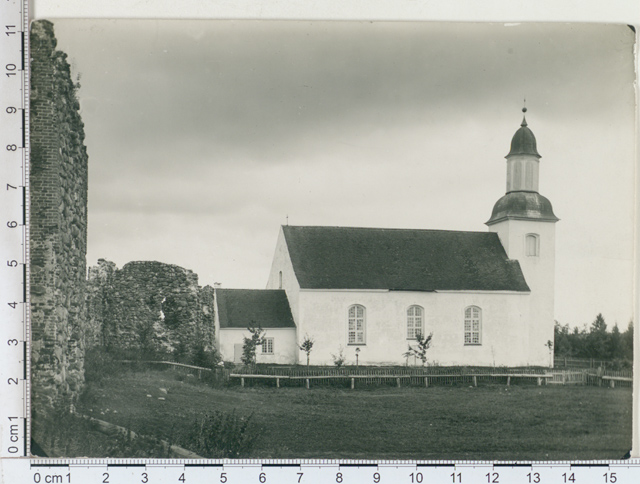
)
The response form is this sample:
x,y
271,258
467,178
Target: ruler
x,y
15,467
14,230
118,471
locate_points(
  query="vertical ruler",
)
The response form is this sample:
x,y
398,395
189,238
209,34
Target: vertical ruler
x,y
14,230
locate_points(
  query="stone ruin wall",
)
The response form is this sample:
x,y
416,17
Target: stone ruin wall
x,y
143,306
58,225
149,307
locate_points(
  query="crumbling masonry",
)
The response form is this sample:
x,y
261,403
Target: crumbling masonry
x,y
149,307
142,308
58,225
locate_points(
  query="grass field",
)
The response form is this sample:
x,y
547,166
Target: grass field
x,y
488,422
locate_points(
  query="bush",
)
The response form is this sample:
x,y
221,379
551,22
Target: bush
x,y
65,434
339,359
100,363
220,435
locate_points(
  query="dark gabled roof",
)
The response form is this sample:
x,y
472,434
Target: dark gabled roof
x,y
241,308
400,259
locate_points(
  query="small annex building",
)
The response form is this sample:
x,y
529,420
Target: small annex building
x,y
487,297
239,309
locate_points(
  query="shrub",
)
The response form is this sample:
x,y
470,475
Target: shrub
x,y
220,435
339,359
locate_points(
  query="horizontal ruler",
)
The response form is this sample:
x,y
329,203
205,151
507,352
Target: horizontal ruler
x,y
126,471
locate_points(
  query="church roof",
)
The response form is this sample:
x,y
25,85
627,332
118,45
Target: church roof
x,y
241,308
400,259
522,206
523,142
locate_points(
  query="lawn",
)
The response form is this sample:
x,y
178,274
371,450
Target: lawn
x,y
491,422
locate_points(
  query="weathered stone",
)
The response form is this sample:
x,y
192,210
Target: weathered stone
x,y
149,306
57,225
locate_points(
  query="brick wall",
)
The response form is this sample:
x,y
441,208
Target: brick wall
x,y
58,225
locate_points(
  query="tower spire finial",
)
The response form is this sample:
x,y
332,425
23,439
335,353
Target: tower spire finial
x,y
524,110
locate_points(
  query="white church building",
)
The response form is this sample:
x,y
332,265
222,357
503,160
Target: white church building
x,y
487,297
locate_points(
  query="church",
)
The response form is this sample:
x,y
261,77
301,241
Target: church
x,y
486,297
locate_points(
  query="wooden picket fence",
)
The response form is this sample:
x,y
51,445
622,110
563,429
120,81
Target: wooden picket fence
x,y
581,363
301,376
426,376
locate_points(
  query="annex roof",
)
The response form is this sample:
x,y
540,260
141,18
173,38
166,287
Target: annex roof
x,y
241,308
400,259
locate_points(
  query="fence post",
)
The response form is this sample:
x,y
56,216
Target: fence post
x,y
508,380
539,381
398,381
426,382
277,382
475,381
352,382
242,381
307,381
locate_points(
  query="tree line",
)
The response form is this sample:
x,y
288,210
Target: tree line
x,y
594,342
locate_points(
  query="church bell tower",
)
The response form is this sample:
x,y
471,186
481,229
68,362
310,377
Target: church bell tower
x,y
525,222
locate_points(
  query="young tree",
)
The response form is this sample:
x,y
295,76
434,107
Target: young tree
x,y
306,346
597,339
423,343
627,342
251,344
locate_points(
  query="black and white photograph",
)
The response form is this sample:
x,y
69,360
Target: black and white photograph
x,y
331,239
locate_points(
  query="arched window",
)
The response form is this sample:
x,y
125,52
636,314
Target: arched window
x,y
280,280
414,322
532,245
357,325
472,325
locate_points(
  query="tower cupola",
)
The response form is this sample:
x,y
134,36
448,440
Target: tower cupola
x,y
523,142
522,200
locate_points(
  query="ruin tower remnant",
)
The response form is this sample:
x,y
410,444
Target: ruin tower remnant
x,y
58,225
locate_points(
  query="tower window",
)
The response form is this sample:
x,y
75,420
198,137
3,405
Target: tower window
x,y
532,245
280,280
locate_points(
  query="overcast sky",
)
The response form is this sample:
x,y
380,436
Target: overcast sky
x,y
204,136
